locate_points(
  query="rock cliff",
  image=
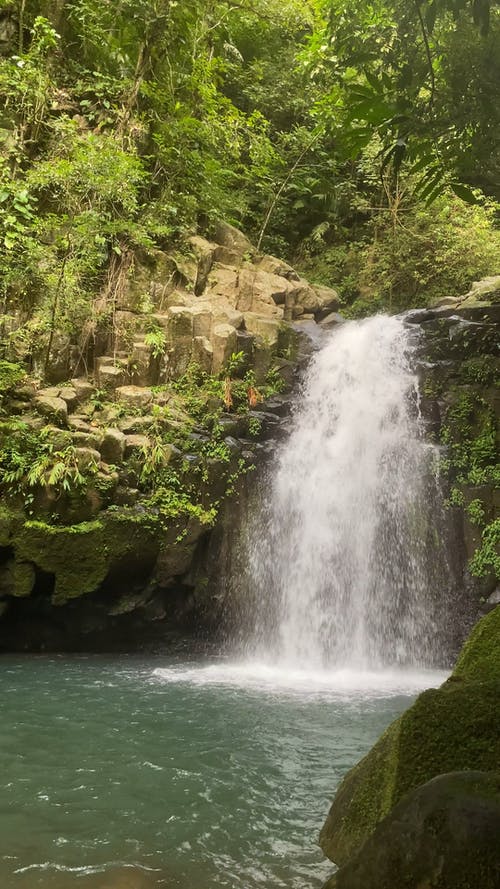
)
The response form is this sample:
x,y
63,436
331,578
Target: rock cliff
x,y
113,479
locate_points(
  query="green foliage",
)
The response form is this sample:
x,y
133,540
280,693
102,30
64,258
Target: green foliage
x,y
156,339
254,427
172,502
126,126
396,67
475,511
482,370
10,375
469,432
413,259
486,559
29,460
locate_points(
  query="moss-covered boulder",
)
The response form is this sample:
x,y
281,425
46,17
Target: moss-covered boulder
x,y
79,556
443,835
452,728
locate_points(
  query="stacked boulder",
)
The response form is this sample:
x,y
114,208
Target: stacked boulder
x,y
215,299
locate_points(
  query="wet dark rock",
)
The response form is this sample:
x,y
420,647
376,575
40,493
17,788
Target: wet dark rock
x,y
232,444
278,404
232,424
442,835
332,319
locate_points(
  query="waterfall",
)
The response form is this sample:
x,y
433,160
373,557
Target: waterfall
x,y
342,563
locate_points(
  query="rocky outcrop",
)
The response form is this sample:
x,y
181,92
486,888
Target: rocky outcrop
x,y
443,835
459,368
115,555
453,728
207,301
113,482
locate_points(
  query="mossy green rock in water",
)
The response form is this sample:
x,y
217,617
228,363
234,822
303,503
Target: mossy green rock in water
x,y
452,728
443,835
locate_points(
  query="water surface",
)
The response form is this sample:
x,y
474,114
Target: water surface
x,y
132,774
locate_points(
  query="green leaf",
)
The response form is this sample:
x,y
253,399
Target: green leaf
x,y
464,192
373,81
435,182
423,162
430,16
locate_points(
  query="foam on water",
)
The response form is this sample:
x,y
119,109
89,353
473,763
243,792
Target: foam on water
x,y
288,680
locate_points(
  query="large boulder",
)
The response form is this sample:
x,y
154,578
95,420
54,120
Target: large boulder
x,y
452,728
314,299
110,375
53,407
134,396
87,458
229,236
261,291
482,293
224,340
203,251
180,322
443,835
223,282
222,312
203,353
136,445
83,388
278,267
267,328
113,446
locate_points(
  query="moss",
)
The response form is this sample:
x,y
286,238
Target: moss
x,y
442,835
73,554
24,578
451,728
81,556
480,656
10,375
5,526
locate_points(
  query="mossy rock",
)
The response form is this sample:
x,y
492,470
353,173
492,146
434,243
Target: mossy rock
x,y
105,553
5,526
73,554
81,556
452,728
443,835
479,659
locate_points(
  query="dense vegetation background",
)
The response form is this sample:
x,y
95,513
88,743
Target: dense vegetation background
x,y
360,140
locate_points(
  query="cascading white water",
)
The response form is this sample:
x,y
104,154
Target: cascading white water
x,y
342,561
